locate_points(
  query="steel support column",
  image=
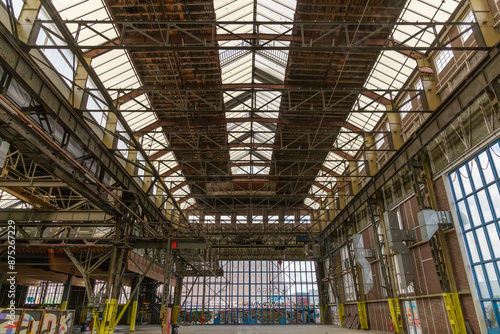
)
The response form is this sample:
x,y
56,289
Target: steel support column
x,y
489,33
66,292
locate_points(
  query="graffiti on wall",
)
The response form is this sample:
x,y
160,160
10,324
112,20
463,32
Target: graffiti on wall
x,y
36,321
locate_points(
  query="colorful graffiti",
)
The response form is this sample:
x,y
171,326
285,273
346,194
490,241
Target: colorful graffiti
x,y
36,321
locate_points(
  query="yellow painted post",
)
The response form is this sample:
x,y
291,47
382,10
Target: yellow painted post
x,y
428,83
108,320
83,316
395,314
486,21
104,316
95,322
111,324
66,292
27,16
133,316
175,314
454,310
363,318
395,126
354,176
340,310
341,193
371,155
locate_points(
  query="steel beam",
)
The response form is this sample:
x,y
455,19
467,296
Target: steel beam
x,y
42,218
33,183
309,36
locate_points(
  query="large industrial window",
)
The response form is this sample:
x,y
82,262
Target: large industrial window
x,y
475,186
468,18
253,292
17,6
62,60
48,293
442,59
100,291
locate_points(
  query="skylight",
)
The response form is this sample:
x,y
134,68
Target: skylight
x,y
117,73
392,70
245,66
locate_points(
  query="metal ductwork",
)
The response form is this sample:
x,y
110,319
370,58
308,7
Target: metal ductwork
x,y
403,254
313,250
4,148
429,221
360,254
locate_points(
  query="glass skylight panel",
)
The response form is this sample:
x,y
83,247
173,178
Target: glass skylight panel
x,y
181,192
311,203
271,68
326,179
165,163
237,67
136,119
422,11
366,121
275,11
89,10
335,163
238,71
317,192
391,71
237,114
233,11
153,142
7,200
115,71
349,142
187,203
174,180
268,103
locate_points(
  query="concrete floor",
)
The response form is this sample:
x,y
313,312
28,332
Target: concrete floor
x,y
245,329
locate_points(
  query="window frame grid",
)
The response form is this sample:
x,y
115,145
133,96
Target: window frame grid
x,y
255,291
455,179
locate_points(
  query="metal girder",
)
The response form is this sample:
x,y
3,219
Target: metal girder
x,y
21,131
39,217
32,183
310,36
212,121
180,244
260,87
484,77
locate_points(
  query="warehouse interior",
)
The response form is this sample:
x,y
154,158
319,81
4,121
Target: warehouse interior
x,y
187,165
